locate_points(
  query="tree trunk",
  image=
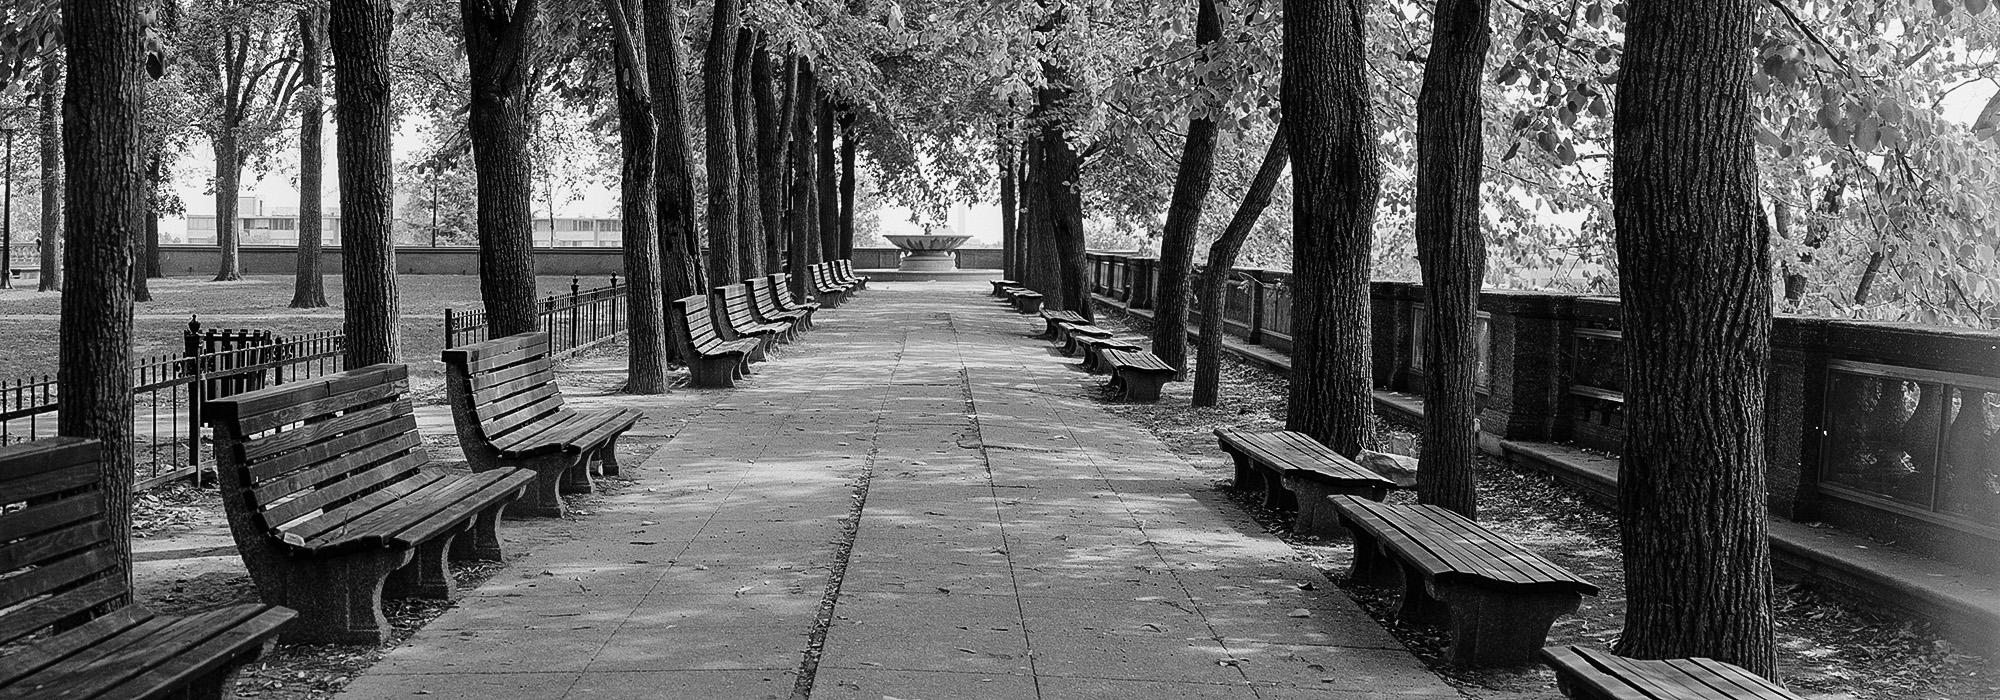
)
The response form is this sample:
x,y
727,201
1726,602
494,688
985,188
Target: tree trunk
x,y
1197,170
826,186
680,244
365,128
102,141
647,337
308,286
499,42
1221,259
228,180
718,102
148,241
800,217
773,96
1451,251
1696,286
1010,206
1335,180
1041,268
847,148
749,201
53,212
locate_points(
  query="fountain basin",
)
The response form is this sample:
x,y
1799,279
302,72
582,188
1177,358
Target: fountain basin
x,y
928,253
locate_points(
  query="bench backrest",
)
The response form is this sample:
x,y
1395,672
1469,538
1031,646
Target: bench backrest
x,y
508,384
693,313
820,278
735,307
781,289
58,562
295,451
762,297
841,270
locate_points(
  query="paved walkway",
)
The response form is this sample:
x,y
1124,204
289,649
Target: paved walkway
x,y
1013,541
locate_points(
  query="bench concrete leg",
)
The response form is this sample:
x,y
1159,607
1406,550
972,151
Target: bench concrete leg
x,y
576,479
607,459
1028,306
428,575
1417,606
1277,493
1371,567
713,372
1143,386
1247,476
544,499
1494,628
1317,515
339,600
481,541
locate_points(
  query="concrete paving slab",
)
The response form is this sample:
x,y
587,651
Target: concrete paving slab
x,y
877,684
764,684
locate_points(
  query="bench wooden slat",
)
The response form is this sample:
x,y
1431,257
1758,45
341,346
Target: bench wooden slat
x,y
296,534
379,476
498,417
250,409
88,684
135,651
20,623
42,516
53,575
415,518
24,459
227,638
52,544
338,458
1514,562
54,648
257,449
501,381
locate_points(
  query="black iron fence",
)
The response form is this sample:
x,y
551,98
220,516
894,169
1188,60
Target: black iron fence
x,y
168,391
575,322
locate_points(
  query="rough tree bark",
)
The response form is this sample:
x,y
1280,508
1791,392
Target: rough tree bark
x,y
646,366
1057,171
680,244
145,249
1197,170
847,148
51,122
1222,258
1010,206
800,220
773,97
718,110
1696,287
500,48
308,287
1451,251
749,201
1335,180
1041,268
365,127
101,138
826,185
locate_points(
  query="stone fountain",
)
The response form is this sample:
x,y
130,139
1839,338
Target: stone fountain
x,y
929,252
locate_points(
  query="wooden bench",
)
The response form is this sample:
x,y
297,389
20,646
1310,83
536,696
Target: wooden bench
x,y
332,498
731,304
1136,374
1053,317
1092,349
1296,472
828,292
1070,335
1498,598
764,301
781,292
1591,674
843,272
711,361
1025,301
510,413
68,626
1000,286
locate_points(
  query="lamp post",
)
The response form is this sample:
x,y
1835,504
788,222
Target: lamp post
x,y
7,216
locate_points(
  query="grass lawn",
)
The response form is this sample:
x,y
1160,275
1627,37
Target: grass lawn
x,y
28,319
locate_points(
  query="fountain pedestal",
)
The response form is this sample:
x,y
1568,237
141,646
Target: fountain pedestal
x,y
928,253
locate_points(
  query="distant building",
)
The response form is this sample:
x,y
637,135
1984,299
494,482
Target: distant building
x,y
280,226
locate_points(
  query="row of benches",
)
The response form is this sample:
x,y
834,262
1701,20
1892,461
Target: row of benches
x,y
723,332
1497,598
1137,375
